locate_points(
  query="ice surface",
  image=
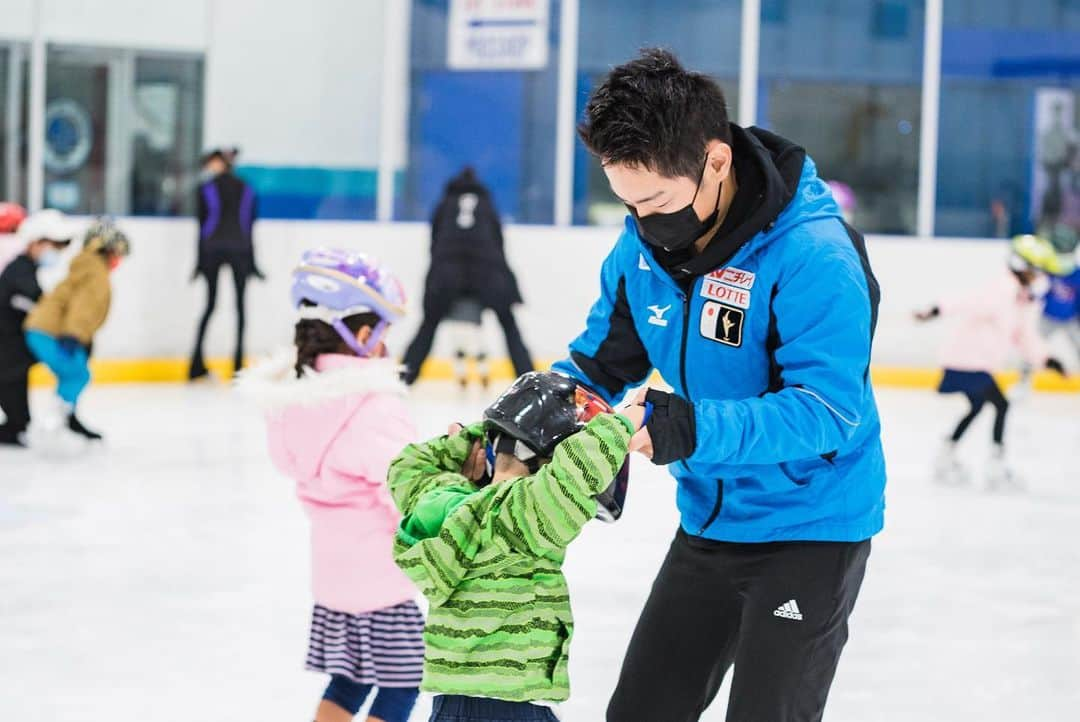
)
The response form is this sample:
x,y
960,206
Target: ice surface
x,y
164,576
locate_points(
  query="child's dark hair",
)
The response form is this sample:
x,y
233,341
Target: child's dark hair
x,y
314,338
653,113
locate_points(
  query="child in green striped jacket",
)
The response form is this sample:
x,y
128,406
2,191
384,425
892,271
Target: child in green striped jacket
x,y
488,554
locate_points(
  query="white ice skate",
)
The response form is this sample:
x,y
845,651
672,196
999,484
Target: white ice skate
x,y
50,436
1021,391
999,476
948,471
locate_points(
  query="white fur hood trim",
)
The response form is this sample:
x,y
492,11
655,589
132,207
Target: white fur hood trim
x,y
273,383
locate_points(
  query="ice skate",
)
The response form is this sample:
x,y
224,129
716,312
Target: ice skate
x,y
999,475
1021,391
948,470
76,426
51,434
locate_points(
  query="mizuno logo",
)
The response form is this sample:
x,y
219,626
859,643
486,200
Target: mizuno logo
x,y
657,319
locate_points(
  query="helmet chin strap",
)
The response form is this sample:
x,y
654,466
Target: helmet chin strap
x,y
362,349
502,444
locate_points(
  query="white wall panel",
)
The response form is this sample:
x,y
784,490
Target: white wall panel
x,y
156,307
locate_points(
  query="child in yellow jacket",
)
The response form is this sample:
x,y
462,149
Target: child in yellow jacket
x,y
61,328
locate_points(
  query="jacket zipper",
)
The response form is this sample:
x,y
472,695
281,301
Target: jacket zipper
x,y
716,507
682,357
686,390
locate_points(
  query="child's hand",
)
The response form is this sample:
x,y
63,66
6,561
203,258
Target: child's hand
x,y
475,465
633,411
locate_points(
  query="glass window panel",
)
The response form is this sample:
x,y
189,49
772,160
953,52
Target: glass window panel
x,y
76,129
704,34
123,131
1013,165
167,135
13,114
843,78
501,122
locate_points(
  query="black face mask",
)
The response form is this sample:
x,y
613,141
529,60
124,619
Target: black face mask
x,y
678,230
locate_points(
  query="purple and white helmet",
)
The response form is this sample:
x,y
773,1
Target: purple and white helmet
x,y
343,283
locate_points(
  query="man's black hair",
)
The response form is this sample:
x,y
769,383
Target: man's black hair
x,y
653,113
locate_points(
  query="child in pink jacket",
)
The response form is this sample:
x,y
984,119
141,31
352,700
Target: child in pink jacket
x,y
336,417
991,323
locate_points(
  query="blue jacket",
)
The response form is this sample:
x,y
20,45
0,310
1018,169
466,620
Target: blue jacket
x,y
1063,300
768,336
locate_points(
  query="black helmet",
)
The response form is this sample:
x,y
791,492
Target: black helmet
x,y
538,411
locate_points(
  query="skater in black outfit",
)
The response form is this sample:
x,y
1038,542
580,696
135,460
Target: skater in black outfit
x,y
227,211
468,264
47,233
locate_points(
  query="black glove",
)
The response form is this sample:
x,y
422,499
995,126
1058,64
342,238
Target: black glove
x,y
1053,364
671,427
69,345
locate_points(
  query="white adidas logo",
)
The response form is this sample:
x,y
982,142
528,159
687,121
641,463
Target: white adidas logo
x,y
789,610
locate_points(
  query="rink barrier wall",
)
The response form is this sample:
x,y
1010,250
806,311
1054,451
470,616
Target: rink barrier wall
x,y
156,305
119,371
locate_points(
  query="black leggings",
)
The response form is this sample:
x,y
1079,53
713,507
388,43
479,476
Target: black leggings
x,y
977,400
16,407
433,315
198,365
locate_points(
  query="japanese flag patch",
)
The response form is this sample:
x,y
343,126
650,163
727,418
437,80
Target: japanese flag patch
x,y
722,323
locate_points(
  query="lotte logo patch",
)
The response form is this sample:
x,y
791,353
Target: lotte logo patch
x,y
722,323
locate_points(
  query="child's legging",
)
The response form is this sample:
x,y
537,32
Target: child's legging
x,y
392,704
977,400
71,369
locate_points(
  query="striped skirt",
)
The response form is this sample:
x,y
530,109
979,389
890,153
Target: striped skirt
x,y
384,648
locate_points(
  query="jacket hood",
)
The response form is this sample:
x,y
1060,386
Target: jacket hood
x,y
306,415
790,193
273,385
465,182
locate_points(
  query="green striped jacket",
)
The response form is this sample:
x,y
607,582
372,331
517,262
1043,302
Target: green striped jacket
x,y
490,559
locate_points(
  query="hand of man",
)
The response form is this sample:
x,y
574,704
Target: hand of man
x,y
475,465
670,433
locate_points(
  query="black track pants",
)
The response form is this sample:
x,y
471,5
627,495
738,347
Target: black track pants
x,y
777,611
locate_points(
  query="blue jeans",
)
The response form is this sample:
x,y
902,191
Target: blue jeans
x,y
71,370
393,704
456,708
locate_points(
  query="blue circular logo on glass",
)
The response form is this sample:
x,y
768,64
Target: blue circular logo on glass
x,y
69,136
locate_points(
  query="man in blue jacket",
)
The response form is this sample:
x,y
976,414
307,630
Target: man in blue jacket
x,y
737,279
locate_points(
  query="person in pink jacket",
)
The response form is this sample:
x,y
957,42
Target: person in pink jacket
x,y
991,323
336,417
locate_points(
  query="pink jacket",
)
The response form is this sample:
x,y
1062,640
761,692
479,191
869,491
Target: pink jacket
x,y
990,324
335,433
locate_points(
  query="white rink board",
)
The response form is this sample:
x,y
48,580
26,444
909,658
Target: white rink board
x,y
164,577
156,307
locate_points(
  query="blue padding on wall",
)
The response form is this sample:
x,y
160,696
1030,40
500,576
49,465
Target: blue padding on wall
x,y
983,53
295,192
470,118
